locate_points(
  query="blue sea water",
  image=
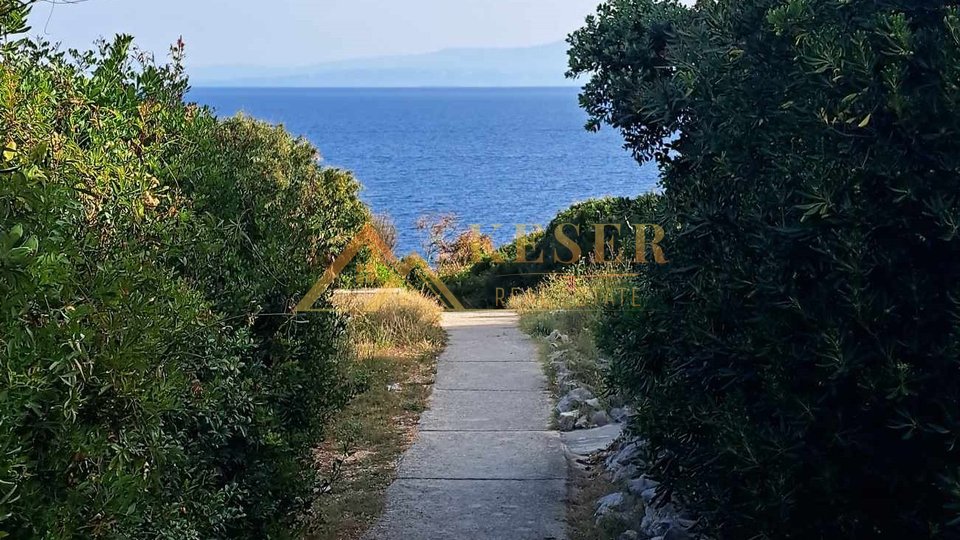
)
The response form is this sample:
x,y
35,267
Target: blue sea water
x,y
492,156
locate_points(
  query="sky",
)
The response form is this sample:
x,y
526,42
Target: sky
x,y
285,33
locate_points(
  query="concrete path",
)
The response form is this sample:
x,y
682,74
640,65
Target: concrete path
x,y
484,464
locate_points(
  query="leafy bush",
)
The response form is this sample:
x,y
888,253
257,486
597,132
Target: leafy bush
x,y
154,384
795,365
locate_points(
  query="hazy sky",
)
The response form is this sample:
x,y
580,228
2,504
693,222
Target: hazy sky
x,y
302,32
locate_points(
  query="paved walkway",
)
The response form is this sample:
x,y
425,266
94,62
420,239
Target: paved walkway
x,y
484,464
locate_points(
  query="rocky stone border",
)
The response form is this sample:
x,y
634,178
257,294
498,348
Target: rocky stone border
x,y
638,508
578,407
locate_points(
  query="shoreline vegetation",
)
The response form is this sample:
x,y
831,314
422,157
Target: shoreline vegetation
x,y
796,347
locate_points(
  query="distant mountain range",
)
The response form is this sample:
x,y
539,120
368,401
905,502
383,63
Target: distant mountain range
x,y
542,65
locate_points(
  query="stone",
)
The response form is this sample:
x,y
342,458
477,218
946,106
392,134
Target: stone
x,y
610,503
629,535
676,533
648,495
556,338
588,441
621,414
599,418
566,421
583,422
593,404
573,400
567,404
395,387
582,394
637,486
626,471
628,452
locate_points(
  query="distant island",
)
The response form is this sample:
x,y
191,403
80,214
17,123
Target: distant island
x,y
542,65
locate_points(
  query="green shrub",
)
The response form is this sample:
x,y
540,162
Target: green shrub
x,y
795,366
153,381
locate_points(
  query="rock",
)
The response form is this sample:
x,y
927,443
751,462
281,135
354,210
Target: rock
x,y
676,532
627,453
583,423
648,495
629,535
573,400
626,471
582,394
556,338
621,414
599,418
610,503
395,387
593,404
653,526
637,486
585,442
659,521
567,404
567,421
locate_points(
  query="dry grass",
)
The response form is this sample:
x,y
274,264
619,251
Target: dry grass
x,y
398,338
587,483
390,319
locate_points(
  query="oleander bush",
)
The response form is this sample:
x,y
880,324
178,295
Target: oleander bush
x,y
154,383
795,366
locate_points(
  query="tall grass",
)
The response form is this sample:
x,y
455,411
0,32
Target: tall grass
x,y
572,304
396,338
390,319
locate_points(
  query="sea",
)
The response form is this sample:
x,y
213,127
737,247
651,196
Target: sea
x,y
494,157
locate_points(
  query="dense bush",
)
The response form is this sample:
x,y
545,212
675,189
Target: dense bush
x,y
153,382
796,365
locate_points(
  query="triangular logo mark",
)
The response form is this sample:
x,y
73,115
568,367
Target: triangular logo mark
x,y
368,237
